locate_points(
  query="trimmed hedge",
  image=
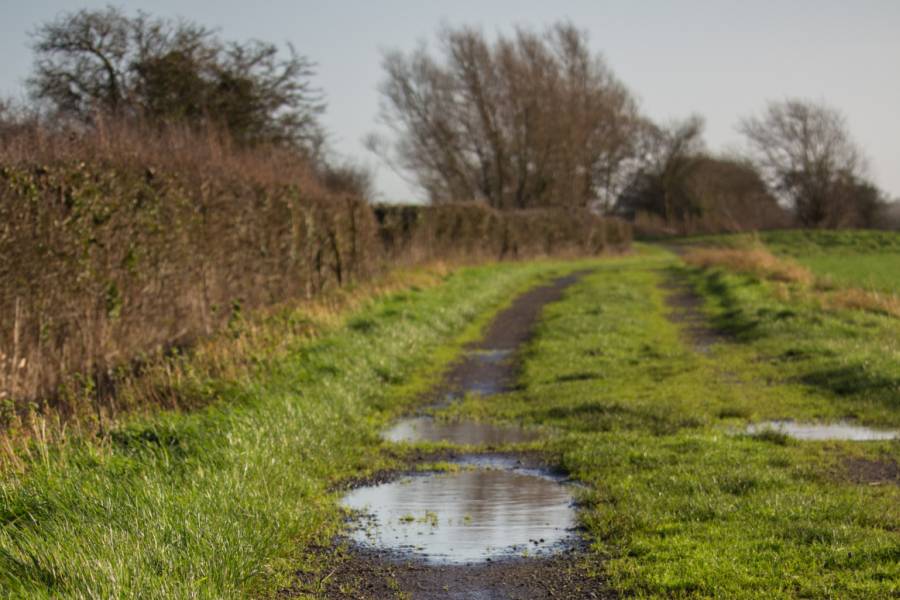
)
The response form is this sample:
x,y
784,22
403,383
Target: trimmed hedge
x,y
105,266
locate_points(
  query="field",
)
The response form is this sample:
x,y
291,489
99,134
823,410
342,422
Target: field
x,y
869,260
641,380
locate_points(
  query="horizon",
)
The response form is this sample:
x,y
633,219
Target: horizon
x,y
723,61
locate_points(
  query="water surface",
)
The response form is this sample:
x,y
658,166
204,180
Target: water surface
x,y
468,516
841,430
428,429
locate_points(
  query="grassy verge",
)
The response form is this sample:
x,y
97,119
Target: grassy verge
x,y
680,501
220,502
868,260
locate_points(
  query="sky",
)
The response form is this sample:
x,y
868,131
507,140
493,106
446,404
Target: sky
x,y
722,59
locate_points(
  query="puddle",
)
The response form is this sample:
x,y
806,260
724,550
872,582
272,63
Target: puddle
x,y
427,429
465,517
841,430
485,372
492,356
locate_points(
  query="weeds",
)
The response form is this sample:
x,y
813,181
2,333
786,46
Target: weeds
x,y
222,502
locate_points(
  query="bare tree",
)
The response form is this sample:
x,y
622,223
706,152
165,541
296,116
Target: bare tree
x,y
808,158
105,61
658,180
534,119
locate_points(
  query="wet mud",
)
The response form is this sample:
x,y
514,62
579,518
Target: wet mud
x,y
867,471
686,310
355,573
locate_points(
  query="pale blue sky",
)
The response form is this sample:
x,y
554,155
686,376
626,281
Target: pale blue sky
x,y
722,59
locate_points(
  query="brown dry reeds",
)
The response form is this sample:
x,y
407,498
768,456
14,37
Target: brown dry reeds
x,y
868,300
759,262
756,261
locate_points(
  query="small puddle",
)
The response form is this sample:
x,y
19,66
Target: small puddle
x,y
484,371
428,429
841,430
465,517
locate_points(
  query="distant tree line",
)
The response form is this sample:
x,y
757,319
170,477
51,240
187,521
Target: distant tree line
x,y
537,119
526,120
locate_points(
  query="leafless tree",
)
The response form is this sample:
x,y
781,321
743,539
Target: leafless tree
x,y
106,61
658,180
806,153
534,119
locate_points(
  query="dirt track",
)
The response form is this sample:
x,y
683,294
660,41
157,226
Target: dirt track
x,y
360,573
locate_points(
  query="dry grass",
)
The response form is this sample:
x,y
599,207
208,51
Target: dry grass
x,y
182,381
868,300
760,262
756,261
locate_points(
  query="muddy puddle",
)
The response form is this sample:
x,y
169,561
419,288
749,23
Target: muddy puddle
x,y
429,429
491,508
470,516
841,430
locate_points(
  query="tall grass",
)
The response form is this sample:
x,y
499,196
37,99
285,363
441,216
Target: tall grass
x,y
758,261
205,504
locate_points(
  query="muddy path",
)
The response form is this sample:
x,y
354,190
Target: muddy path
x,y
488,366
503,527
686,310
359,574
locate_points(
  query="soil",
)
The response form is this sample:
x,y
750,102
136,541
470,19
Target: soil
x,y
352,572
510,329
872,472
358,574
686,311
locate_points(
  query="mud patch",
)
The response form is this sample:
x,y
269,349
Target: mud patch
x,y
685,310
488,366
841,430
359,574
871,472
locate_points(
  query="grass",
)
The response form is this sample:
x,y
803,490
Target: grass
x,y
869,260
220,502
679,501
841,269
228,501
865,259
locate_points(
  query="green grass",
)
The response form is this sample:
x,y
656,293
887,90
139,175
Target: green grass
x,y
679,501
228,501
844,258
220,503
864,259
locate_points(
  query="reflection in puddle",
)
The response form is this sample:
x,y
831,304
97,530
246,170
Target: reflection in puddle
x,y
427,429
468,516
491,356
830,431
483,372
